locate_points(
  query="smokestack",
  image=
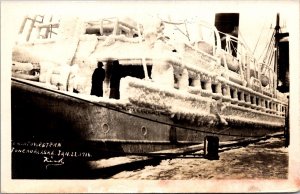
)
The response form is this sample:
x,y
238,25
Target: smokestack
x,y
282,57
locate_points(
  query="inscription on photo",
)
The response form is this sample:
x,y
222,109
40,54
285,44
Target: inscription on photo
x,y
49,153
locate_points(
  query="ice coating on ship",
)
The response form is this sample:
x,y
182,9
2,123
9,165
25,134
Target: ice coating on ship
x,y
191,82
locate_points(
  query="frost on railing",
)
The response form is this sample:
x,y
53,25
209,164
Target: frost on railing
x,y
189,70
37,27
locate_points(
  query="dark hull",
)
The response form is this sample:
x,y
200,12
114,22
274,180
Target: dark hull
x,y
49,125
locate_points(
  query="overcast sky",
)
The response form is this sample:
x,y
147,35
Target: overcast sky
x,y
256,17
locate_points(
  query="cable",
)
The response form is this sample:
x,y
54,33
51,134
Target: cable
x,y
260,35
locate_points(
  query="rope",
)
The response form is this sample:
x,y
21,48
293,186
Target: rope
x,y
130,114
246,45
261,32
267,47
235,49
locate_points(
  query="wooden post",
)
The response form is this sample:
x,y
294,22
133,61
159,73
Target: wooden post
x,y
211,147
219,88
116,28
31,27
208,85
242,96
259,103
38,34
248,100
247,70
48,29
228,91
143,57
23,25
196,82
235,94
262,104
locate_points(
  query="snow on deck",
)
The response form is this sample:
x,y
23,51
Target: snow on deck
x,y
169,61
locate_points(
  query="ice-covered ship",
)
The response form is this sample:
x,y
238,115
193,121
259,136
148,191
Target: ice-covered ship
x,y
159,92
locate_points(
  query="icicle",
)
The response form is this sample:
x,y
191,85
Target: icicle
x,y
183,81
178,116
143,56
211,123
192,120
162,73
172,115
199,121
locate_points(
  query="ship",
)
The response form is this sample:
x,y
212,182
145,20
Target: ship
x,y
160,92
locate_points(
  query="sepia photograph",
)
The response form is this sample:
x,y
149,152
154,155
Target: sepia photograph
x,y
150,96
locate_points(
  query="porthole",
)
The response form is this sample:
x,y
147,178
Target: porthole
x,y
144,130
105,128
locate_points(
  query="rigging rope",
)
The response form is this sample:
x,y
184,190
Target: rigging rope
x,y
246,45
261,32
267,47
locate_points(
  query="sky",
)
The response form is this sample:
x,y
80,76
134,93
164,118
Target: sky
x,y
256,23
256,17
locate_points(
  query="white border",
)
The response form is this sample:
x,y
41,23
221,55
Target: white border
x,y
11,11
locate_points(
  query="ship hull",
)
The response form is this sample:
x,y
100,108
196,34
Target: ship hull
x,y
43,115
49,126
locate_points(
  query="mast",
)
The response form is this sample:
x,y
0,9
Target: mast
x,y
277,29
282,70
